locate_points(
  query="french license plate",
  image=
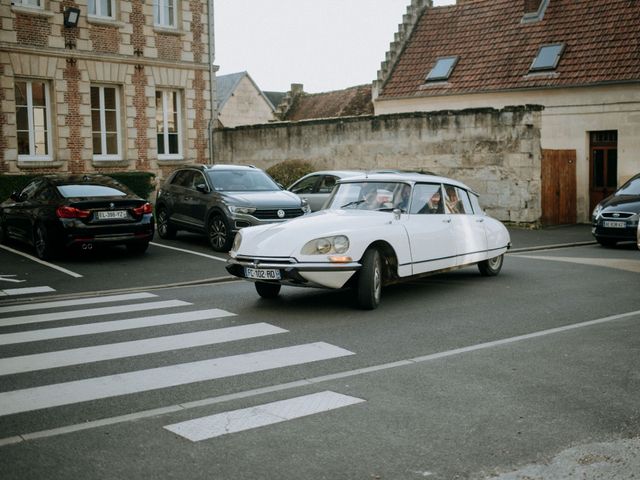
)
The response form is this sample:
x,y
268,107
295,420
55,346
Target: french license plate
x,y
112,214
609,224
262,273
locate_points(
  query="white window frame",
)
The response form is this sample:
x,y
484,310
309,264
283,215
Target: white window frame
x,y
32,156
97,4
159,19
166,99
103,132
29,3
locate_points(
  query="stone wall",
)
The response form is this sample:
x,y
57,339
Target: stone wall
x,y
495,152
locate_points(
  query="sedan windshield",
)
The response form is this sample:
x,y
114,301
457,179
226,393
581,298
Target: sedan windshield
x,y
370,196
632,187
242,181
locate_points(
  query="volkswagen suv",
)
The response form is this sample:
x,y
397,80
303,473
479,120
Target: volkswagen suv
x,y
219,200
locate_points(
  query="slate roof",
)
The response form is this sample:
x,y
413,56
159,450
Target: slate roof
x,y
496,49
352,101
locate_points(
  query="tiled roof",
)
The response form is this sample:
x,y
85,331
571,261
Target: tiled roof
x,y
496,49
352,101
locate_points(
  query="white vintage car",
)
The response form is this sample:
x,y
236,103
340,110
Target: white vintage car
x,y
377,229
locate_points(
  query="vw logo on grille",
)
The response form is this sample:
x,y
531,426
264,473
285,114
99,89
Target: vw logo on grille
x,y
616,214
280,213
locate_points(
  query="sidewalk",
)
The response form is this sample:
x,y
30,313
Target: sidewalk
x,y
565,235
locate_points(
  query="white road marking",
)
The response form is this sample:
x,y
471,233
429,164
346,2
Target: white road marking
x,y
617,263
190,251
5,278
72,303
112,326
79,356
48,396
90,312
42,262
262,415
26,290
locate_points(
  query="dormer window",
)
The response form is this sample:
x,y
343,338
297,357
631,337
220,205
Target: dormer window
x,y
547,58
442,69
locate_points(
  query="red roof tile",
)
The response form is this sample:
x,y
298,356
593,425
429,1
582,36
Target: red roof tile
x,y
340,103
496,49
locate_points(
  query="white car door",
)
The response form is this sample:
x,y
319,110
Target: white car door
x,y
430,230
468,228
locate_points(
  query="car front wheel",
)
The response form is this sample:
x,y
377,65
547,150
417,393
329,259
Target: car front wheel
x,y
369,287
165,230
491,267
219,234
267,290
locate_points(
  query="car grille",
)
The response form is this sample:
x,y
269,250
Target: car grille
x,y
616,215
272,214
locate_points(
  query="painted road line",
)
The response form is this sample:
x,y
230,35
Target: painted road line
x,y
260,416
26,290
113,351
190,252
55,395
113,326
282,387
42,262
72,303
617,263
90,312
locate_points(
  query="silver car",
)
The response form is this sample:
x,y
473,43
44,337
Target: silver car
x,y
316,187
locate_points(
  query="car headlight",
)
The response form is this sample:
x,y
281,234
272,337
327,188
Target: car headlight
x,y
236,242
326,245
245,210
596,211
305,207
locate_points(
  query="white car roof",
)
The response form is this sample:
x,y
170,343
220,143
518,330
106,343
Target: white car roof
x,y
404,177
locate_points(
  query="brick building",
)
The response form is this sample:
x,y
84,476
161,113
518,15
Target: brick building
x,y
128,88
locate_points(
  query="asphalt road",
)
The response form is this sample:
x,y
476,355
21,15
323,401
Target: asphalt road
x,y
531,374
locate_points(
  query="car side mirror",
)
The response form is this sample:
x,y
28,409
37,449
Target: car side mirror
x,y
202,188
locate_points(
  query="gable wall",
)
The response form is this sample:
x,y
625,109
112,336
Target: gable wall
x,y
569,115
496,152
246,106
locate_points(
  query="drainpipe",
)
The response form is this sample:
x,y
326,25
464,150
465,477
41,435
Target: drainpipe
x,y
212,78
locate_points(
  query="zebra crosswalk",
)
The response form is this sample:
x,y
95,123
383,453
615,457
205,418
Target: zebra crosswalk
x,y
37,322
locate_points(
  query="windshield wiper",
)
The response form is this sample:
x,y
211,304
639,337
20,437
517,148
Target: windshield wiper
x,y
355,202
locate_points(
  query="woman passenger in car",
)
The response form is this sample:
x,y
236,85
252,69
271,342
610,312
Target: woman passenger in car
x,y
434,205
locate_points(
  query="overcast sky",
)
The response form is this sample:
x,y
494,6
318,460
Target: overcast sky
x,y
323,44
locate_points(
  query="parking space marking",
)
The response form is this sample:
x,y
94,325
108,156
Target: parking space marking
x,y
212,257
25,290
617,263
113,326
90,312
71,303
55,395
42,262
113,351
262,415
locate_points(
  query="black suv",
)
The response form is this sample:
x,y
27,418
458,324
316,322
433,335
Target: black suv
x,y
219,200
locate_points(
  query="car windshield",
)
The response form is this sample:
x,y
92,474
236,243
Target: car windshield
x,y
242,181
632,187
86,190
370,196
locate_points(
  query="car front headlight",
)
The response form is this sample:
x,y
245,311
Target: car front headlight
x,y
306,208
326,245
244,210
596,212
236,242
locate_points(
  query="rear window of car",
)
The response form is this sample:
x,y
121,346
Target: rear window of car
x,y
630,188
85,190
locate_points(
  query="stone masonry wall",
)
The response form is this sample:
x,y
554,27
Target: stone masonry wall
x,y
495,152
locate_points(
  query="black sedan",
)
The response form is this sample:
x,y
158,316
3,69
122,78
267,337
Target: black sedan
x,y
60,211
615,219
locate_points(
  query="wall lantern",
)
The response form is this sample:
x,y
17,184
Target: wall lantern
x,y
71,17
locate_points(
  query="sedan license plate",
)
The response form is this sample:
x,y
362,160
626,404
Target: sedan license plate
x,y
262,273
112,214
609,224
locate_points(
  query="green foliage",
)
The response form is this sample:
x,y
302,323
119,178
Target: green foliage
x,y
142,183
287,172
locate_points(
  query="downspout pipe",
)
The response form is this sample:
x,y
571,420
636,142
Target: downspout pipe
x,y
212,79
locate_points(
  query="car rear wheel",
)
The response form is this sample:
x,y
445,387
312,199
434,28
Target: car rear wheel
x,y
268,290
491,267
369,287
219,233
165,230
137,248
42,243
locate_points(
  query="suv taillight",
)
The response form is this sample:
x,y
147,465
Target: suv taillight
x,y
143,209
71,212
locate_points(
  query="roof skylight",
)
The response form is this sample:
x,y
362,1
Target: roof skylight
x,y
442,69
548,57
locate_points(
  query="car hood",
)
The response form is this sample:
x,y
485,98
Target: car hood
x,y
271,199
622,203
286,239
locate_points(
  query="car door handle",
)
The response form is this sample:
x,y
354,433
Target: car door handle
x,y
447,220
480,220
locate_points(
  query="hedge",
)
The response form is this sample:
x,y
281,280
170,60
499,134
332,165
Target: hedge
x,y
141,183
287,172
